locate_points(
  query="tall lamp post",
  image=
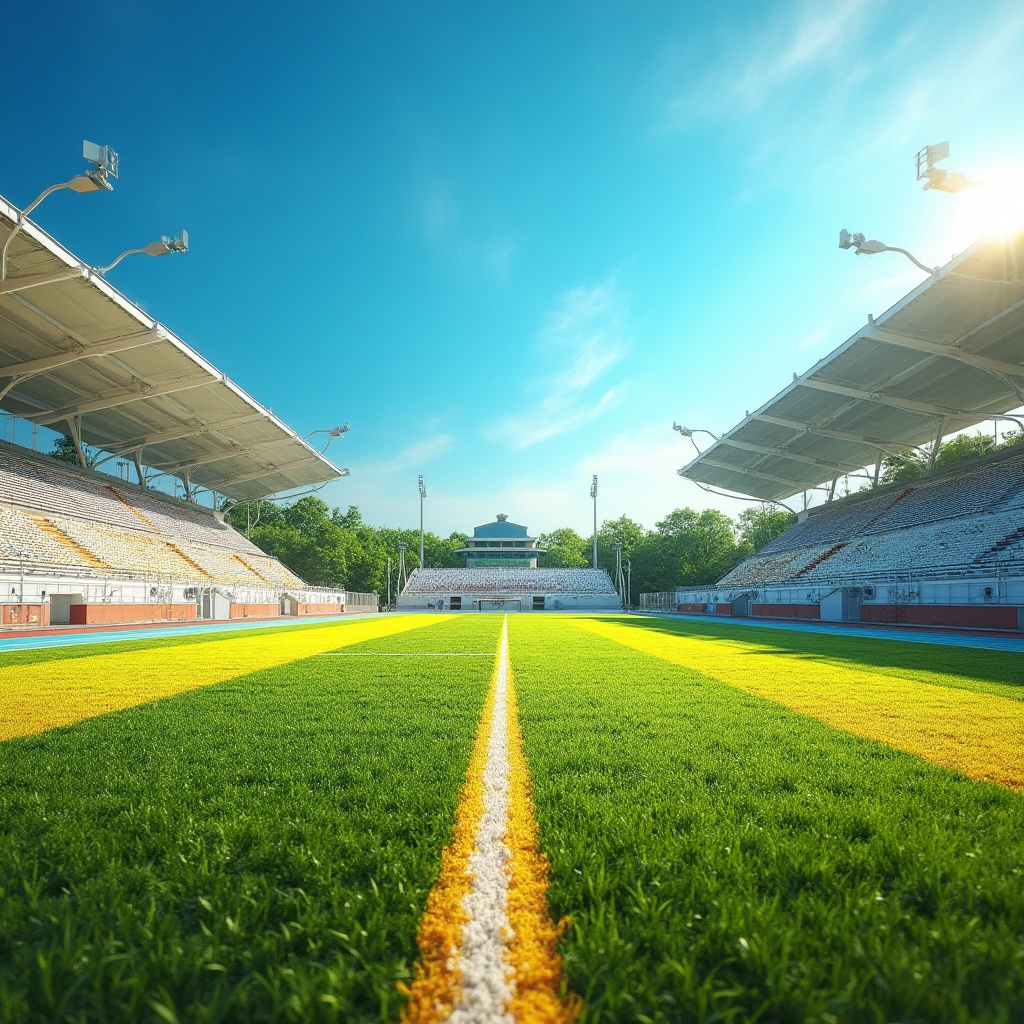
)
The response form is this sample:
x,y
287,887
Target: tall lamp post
x,y
401,567
423,494
593,494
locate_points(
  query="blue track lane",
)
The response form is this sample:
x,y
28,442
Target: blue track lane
x,y
914,636
33,643
911,636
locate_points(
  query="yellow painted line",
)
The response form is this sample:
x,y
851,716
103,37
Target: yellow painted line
x,y
532,951
980,735
487,944
41,696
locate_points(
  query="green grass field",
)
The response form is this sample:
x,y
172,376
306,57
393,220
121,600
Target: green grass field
x,y
261,849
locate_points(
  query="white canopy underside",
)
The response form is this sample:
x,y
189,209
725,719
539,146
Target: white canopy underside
x,y
78,348
947,356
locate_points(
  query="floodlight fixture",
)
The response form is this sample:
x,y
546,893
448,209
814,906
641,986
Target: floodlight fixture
x,y
872,246
935,177
593,494
423,494
689,432
332,432
162,247
104,160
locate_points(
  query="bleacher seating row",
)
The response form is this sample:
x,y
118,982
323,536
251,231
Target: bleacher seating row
x,y
44,484
964,522
59,518
509,581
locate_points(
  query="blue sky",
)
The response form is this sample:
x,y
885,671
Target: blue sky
x,y
511,243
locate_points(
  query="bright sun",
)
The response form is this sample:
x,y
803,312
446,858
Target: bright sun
x,y
994,207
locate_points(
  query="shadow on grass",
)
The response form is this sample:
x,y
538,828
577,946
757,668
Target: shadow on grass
x,y
1004,667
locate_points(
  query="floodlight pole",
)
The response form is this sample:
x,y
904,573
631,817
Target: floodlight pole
x,y
104,160
401,565
593,494
423,494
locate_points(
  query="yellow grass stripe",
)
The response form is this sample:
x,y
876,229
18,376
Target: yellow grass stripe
x,y
43,695
532,962
980,735
532,948
436,989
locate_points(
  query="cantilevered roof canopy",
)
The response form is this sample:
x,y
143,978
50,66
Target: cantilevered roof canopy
x,y
946,357
71,347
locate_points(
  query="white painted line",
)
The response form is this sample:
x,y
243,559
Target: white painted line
x,y
487,979
412,654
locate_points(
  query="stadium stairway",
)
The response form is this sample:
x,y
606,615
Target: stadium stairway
x,y
82,553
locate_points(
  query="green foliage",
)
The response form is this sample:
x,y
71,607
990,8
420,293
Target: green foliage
x,y
259,850
722,858
913,462
566,549
964,446
64,451
330,548
761,524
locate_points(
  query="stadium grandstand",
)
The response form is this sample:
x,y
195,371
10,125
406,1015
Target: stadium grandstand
x,y
80,546
502,575
944,548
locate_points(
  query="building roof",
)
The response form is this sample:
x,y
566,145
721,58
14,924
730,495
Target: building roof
x,y
502,529
72,345
947,356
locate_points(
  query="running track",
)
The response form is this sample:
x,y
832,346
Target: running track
x,y
986,641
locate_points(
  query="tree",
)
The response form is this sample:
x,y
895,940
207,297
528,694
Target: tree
x,y
700,547
964,446
761,524
565,549
64,450
905,466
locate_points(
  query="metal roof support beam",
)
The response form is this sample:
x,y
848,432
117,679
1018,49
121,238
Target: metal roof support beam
x,y
121,398
888,445
907,404
782,453
269,471
173,468
75,430
937,444
138,443
20,284
875,333
746,472
103,348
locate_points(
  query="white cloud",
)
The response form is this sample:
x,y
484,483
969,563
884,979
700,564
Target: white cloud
x,y
584,337
416,454
823,36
